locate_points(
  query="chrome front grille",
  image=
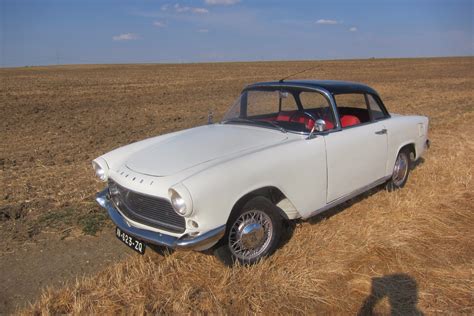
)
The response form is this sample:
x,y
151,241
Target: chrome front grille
x,y
145,209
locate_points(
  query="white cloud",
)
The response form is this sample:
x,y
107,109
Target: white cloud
x,y
327,21
159,24
200,10
126,37
353,29
165,7
180,9
203,31
221,2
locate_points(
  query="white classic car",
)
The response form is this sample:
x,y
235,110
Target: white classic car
x,y
285,150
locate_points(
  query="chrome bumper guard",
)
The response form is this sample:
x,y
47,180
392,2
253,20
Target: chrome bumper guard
x,y
185,242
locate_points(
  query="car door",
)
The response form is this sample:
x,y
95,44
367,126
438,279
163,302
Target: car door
x,y
356,154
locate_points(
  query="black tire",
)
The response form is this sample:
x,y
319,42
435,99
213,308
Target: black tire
x,y
399,177
263,211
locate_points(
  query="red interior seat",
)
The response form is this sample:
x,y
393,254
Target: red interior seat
x,y
272,118
305,120
310,123
329,124
349,120
285,116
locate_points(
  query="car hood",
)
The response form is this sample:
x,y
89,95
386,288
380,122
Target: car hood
x,y
200,145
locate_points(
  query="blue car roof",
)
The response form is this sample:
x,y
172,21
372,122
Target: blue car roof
x,y
332,86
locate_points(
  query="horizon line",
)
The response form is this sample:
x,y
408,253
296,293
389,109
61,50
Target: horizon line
x,y
232,61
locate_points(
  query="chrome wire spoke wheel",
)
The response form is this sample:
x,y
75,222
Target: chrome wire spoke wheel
x,y
253,232
400,170
250,235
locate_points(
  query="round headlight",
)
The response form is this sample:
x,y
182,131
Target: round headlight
x,y
100,171
177,202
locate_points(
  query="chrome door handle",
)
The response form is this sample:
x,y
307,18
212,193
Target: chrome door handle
x,y
381,132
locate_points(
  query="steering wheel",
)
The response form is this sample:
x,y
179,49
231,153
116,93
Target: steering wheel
x,y
311,116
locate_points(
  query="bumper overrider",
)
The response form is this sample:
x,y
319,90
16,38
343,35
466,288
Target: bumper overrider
x,y
199,242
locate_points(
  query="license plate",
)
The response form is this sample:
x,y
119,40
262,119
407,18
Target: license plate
x,y
132,242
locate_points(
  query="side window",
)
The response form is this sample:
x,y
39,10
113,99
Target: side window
x,y
351,100
352,109
317,105
313,100
375,109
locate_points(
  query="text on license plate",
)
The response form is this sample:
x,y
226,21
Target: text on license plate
x,y
132,242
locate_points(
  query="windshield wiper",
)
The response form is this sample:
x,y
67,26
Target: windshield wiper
x,y
240,119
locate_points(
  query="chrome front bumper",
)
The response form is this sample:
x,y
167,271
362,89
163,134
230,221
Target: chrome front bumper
x,y
199,242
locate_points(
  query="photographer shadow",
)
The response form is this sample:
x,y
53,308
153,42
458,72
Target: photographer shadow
x,y
401,291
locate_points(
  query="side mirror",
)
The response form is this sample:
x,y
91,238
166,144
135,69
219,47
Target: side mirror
x,y
319,125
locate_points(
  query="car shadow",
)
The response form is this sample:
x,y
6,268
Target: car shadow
x,y
401,290
417,163
287,232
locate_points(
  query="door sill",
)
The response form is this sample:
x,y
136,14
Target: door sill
x,y
348,196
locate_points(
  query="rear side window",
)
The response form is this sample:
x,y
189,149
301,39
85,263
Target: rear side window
x,y
351,100
375,110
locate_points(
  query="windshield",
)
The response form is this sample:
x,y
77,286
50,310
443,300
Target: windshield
x,y
287,109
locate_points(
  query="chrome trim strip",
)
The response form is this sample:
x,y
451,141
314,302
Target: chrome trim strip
x,y
348,196
185,242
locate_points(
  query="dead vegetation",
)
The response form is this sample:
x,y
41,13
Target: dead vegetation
x,y
407,251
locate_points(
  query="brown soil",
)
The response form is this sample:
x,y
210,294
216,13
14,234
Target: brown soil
x,y
55,120
50,261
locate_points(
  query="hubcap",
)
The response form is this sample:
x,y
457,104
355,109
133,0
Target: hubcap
x,y
250,235
400,170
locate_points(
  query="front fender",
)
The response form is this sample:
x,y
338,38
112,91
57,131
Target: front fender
x,y
297,168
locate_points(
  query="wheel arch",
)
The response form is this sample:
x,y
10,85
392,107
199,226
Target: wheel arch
x,y
275,195
410,145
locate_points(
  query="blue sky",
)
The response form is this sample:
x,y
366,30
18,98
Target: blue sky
x,y
41,32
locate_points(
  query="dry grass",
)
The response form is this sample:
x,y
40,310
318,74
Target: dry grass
x,y
409,251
